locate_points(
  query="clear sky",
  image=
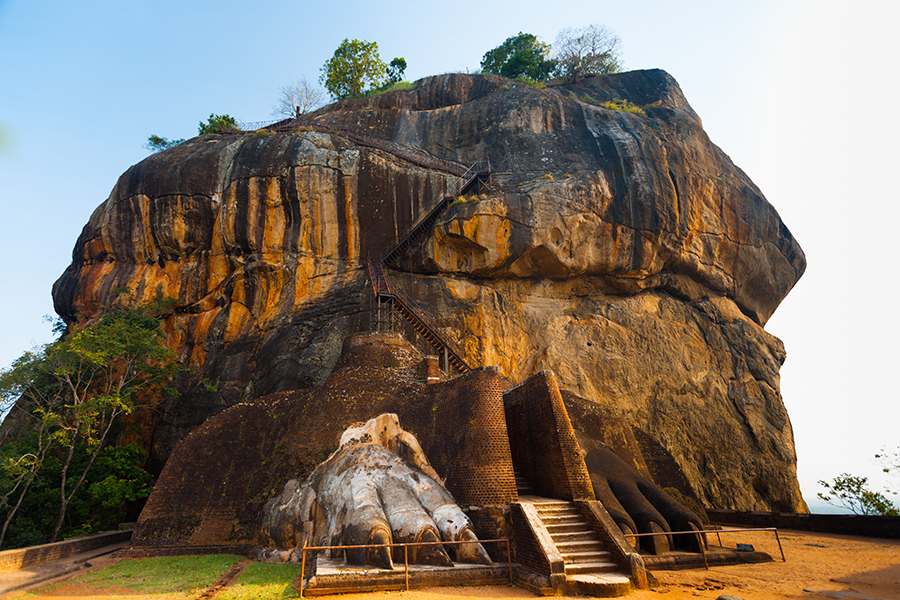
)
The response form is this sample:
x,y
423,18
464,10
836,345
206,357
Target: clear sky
x,y
801,95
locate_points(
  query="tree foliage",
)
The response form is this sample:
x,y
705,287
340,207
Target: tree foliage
x,y
852,493
890,464
298,98
589,50
395,70
68,395
354,65
218,124
522,55
157,143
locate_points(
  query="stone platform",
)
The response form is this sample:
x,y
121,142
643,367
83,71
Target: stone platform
x,y
334,576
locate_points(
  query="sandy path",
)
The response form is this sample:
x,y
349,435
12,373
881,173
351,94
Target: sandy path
x,y
820,562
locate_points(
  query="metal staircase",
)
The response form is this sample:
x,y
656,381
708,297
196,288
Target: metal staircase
x,y
388,292
477,177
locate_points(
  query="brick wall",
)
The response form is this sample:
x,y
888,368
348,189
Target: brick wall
x,y
469,444
542,440
216,481
528,549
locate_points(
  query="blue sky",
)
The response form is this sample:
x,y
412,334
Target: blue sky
x,y
799,93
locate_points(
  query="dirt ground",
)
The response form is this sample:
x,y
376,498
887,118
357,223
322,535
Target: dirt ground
x,y
818,566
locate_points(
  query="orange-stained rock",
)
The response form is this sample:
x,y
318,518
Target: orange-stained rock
x,y
624,252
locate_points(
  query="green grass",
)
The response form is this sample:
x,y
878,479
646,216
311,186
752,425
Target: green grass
x,y
624,106
261,580
163,574
532,82
390,87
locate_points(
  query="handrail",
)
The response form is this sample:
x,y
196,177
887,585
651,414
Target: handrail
x,y
414,308
717,532
416,156
471,174
405,547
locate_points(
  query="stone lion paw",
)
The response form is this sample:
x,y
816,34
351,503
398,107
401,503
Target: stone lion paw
x,y
365,494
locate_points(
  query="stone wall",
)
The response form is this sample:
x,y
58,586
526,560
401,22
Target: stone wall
x,y
21,558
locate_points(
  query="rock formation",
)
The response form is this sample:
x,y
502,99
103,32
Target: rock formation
x,y
623,251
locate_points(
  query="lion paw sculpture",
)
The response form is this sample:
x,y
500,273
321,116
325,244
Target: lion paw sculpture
x,y
376,489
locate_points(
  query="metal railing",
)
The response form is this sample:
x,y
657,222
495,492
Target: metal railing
x,y
717,532
413,308
405,547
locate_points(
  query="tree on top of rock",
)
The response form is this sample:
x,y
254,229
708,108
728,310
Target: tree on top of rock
x,y
522,55
354,65
591,50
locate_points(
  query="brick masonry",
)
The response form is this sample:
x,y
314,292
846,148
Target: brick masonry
x,y
542,440
216,481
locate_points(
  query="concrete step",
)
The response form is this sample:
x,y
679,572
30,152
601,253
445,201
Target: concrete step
x,y
566,527
563,518
595,567
575,536
575,547
596,556
602,585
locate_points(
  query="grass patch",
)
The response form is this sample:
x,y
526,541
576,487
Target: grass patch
x,y
532,82
261,580
163,574
624,106
398,86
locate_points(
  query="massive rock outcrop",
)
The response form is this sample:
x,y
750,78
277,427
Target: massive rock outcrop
x,y
626,252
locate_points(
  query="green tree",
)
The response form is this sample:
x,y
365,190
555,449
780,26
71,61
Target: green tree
x,y
890,464
70,393
157,143
522,55
852,493
591,50
354,65
395,70
218,124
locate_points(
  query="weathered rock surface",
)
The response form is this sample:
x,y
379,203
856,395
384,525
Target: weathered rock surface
x,y
625,252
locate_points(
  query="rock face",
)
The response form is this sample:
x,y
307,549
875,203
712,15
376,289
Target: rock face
x,y
624,252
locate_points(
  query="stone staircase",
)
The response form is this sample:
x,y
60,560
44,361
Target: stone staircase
x,y
589,567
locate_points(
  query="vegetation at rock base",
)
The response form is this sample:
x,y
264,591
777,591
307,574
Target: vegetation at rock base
x,y
522,55
263,581
218,124
852,493
61,474
353,66
298,98
163,574
594,49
